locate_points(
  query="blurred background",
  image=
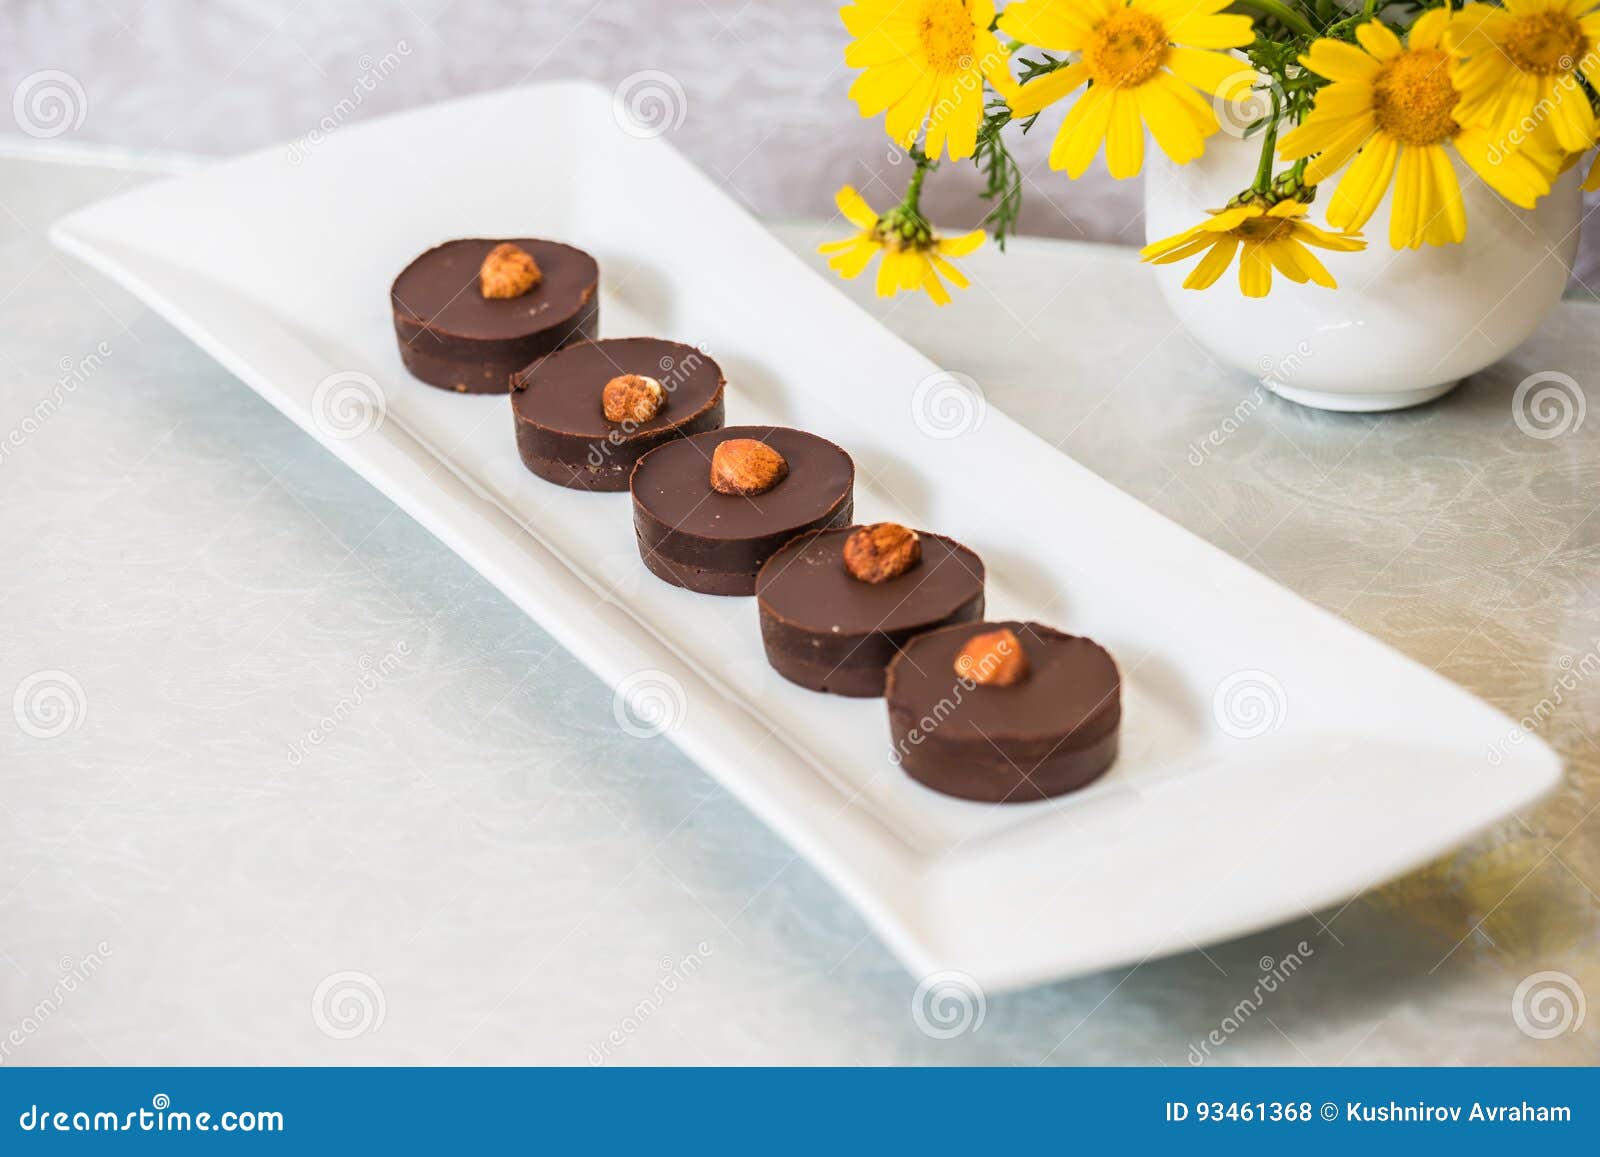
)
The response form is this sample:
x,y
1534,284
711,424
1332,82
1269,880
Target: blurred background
x,y
763,83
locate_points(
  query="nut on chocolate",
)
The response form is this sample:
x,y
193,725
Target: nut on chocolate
x,y
993,659
744,466
882,551
508,271
632,398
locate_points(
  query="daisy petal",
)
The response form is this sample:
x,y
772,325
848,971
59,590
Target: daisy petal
x,y
1447,223
878,88
953,125
854,208
957,278
852,263
905,117
1210,72
1156,249
962,245
889,273
1338,150
1281,255
1182,252
1406,210
1336,60
1207,31
1322,239
1512,175
1082,132
1429,30
1361,188
1255,272
1378,39
1047,24
1124,136
1174,129
1048,89
1305,262
1213,265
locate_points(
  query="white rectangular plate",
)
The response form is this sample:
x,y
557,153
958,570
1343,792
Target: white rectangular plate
x,y
1275,760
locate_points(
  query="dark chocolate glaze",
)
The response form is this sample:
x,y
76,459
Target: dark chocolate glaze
x,y
695,537
1051,733
562,432
453,337
829,631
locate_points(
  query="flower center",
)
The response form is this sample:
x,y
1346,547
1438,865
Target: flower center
x,y
1412,98
901,228
1544,42
1261,228
947,35
1126,49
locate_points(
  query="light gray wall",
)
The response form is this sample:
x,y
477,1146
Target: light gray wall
x,y
764,85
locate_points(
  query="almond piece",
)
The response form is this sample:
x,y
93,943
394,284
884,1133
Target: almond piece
x,y
508,272
882,551
745,466
632,398
993,659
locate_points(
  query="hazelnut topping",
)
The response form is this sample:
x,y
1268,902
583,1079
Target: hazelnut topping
x,y
746,466
632,398
882,551
993,659
508,272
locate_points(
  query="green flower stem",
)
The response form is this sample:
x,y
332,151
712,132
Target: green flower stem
x,y
1269,147
904,223
913,198
1282,13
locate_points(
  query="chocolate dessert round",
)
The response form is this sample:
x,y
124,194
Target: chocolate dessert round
x,y
563,431
828,630
455,337
1051,731
697,536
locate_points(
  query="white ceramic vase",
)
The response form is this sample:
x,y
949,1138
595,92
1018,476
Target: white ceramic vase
x,y
1404,326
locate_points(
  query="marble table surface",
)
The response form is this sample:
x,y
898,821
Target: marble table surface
x,y
285,781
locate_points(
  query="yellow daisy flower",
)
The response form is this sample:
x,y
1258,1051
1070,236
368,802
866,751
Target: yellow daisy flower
x,y
913,254
1392,108
1142,60
1522,68
925,62
1273,237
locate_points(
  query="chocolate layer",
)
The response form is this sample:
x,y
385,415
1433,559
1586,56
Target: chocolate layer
x,y
829,631
562,431
1051,733
695,537
453,337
